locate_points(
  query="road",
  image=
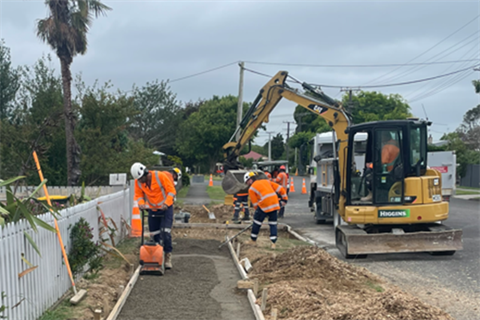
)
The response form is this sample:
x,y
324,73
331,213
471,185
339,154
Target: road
x,y
449,282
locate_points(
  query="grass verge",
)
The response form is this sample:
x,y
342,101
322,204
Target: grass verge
x,y
463,192
62,312
183,192
216,193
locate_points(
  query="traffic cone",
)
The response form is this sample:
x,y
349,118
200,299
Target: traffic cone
x,y
292,186
304,188
210,184
136,230
296,172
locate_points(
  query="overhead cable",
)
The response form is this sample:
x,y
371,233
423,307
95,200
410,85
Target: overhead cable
x,y
203,72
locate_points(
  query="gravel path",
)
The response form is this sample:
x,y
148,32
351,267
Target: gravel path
x,y
201,285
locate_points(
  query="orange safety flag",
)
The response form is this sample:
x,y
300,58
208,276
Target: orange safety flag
x,y
210,183
292,186
304,188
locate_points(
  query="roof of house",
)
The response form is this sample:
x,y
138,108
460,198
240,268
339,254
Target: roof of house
x,y
253,155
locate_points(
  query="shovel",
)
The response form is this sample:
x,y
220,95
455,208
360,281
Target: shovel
x,y
243,230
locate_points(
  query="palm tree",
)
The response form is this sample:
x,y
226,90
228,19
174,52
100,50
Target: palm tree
x,y
65,30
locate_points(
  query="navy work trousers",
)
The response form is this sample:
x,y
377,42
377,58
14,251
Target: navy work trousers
x,y
258,218
160,222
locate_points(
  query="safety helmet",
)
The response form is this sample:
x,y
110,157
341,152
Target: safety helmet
x,y
138,170
282,167
248,176
178,172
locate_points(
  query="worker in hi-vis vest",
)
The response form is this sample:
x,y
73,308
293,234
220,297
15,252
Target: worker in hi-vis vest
x,y
282,179
155,192
264,195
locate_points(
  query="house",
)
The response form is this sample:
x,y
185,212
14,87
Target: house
x,y
254,155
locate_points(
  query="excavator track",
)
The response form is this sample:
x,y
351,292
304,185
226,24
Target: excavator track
x,y
355,242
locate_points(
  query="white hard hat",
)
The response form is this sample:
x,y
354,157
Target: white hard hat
x,y
178,172
137,170
248,176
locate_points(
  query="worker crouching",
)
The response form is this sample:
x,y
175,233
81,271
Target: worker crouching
x,y
264,195
155,192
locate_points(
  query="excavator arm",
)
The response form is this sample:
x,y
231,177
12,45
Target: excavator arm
x,y
269,97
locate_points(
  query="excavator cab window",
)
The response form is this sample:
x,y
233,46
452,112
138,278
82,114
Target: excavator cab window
x,y
388,167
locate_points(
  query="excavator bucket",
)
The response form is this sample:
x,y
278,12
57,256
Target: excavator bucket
x,y
436,239
232,182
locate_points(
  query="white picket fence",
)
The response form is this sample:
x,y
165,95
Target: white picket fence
x,y
30,296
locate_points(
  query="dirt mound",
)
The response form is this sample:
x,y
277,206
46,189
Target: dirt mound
x,y
199,214
308,283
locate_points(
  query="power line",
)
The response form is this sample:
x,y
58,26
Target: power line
x,y
203,72
358,65
418,56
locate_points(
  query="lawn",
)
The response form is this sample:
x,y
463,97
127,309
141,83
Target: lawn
x,y
215,178
216,193
183,192
463,192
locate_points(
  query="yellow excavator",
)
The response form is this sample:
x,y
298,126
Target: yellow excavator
x,y
384,208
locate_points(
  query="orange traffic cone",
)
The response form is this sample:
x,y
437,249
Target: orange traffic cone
x,y
210,184
296,172
136,230
304,188
292,186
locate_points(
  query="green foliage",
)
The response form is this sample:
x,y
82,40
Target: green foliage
x,y
84,251
9,82
202,136
64,311
300,138
157,116
476,84
103,137
185,180
465,154
216,193
309,121
277,146
375,106
2,306
247,163
259,149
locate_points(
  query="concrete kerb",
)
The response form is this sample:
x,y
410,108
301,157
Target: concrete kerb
x,y
250,295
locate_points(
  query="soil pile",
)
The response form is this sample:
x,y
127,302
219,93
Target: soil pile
x,y
309,283
198,214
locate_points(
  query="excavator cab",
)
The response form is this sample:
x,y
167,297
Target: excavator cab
x,y
379,165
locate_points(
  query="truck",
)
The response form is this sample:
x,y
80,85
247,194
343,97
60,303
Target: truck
x,y
322,189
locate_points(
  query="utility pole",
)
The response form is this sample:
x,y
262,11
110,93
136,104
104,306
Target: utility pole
x,y
240,99
350,102
270,145
288,137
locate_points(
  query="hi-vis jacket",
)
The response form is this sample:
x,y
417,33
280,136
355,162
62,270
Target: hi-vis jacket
x,y
263,193
161,191
282,179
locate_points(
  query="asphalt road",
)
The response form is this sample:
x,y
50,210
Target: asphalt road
x,y
450,278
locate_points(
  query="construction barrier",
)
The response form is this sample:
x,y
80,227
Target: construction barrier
x,y
136,224
304,187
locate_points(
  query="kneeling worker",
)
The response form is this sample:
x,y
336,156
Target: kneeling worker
x,y
154,191
264,195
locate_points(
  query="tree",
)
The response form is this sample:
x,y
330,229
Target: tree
x,y
202,136
277,146
376,106
465,154
469,130
65,30
158,116
103,136
9,82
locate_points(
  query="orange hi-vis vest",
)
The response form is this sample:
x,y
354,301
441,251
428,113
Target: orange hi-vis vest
x,y
263,193
161,191
269,176
281,179
170,176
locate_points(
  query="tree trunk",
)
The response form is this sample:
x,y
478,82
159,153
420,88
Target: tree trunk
x,y
73,149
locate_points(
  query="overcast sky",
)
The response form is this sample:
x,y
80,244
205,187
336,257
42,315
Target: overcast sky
x,y
140,41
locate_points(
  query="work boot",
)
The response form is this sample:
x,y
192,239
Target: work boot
x,y
168,260
246,218
273,246
369,197
251,242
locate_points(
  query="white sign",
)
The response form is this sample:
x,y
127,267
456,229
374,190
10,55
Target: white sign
x,y
118,179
